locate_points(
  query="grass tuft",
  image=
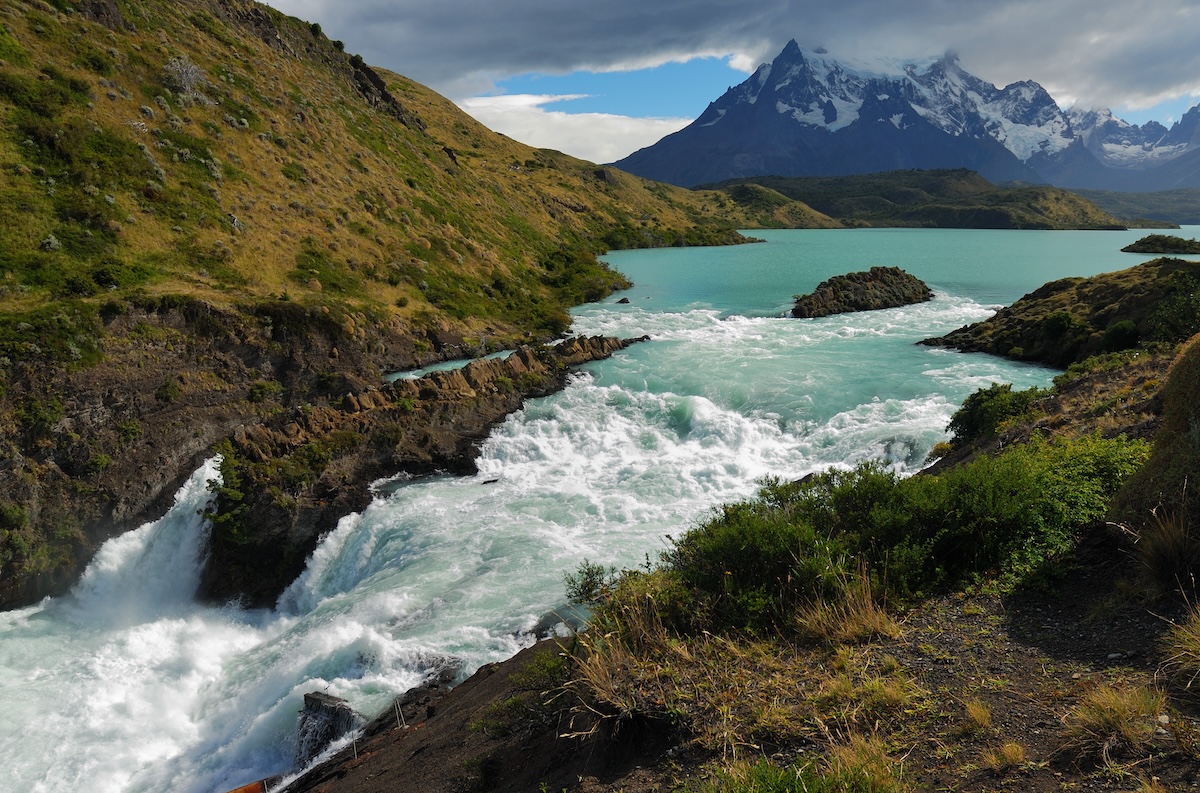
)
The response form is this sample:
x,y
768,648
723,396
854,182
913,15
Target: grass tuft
x,y
1181,646
1004,758
979,715
1112,721
853,618
1169,551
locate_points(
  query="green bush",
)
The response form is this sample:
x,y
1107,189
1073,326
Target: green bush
x,y
1003,517
263,390
983,412
1121,336
168,392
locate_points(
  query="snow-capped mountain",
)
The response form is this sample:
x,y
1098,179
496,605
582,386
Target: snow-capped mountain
x,y
809,114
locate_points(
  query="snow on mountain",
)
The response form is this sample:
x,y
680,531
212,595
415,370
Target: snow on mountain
x,y
818,90
808,113
1118,144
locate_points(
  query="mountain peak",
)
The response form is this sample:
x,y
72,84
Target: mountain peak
x,y
811,113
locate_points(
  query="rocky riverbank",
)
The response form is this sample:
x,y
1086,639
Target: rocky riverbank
x,y
289,478
89,452
879,287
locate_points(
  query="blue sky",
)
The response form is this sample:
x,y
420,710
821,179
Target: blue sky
x,y
640,70
670,90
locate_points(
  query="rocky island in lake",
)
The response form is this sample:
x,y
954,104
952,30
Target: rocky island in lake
x,y
879,287
1163,244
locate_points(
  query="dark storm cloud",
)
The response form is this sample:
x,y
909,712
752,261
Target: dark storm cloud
x,y
1102,52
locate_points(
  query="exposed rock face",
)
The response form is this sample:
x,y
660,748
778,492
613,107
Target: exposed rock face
x,y
430,740
324,719
90,453
1074,318
879,287
290,478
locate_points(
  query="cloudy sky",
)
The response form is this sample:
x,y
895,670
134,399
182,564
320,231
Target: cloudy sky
x,y
603,78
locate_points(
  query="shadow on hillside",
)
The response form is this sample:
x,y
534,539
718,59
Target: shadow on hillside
x,y
1091,615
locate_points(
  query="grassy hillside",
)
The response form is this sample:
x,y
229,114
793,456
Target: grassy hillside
x,y
942,199
1069,320
224,150
1168,207
212,216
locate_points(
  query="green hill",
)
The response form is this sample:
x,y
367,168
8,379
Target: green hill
x,y
1168,208
212,215
940,199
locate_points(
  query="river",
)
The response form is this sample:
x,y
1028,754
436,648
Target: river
x,y
128,684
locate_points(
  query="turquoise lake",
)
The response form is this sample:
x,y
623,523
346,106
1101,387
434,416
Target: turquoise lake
x,y
127,684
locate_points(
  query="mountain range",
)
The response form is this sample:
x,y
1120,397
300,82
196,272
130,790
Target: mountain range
x,y
809,114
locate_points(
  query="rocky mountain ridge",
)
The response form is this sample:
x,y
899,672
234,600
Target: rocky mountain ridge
x,y
809,114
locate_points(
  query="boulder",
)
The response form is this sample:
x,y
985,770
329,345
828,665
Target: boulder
x,y
879,287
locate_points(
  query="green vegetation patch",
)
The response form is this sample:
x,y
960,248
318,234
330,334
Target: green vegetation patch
x,y
67,332
314,264
1005,518
11,50
985,412
44,97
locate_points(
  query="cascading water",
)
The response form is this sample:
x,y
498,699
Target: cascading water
x,y
128,685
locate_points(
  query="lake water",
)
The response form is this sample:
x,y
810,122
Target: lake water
x,y
128,685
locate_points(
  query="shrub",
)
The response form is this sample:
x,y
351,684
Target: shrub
x,y
1121,336
263,390
183,76
590,583
983,412
168,392
754,564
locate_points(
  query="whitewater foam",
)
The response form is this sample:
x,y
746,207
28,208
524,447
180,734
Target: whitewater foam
x,y
128,685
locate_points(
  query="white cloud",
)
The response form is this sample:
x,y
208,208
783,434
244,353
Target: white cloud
x,y
598,137
1103,52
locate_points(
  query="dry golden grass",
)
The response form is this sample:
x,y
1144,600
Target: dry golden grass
x,y
1113,721
865,764
854,617
1181,647
738,695
979,715
1004,758
1151,785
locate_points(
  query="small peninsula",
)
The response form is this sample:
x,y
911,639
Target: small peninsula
x,y
1163,244
879,287
1072,319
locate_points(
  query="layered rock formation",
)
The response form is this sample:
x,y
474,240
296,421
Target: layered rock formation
x,y
879,287
288,479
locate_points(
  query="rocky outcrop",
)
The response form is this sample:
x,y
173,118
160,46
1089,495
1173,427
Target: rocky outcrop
x,y
323,720
1074,318
290,477
1163,244
89,452
437,739
879,287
